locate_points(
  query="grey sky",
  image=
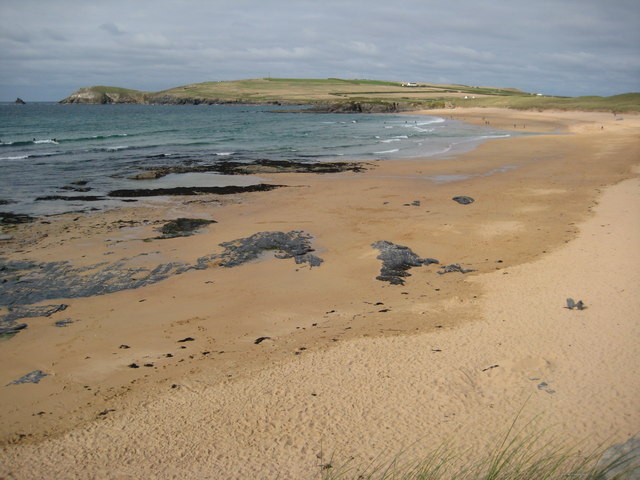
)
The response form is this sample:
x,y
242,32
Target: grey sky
x,y
49,48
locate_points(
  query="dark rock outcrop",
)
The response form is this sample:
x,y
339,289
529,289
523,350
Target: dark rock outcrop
x,y
183,227
571,304
8,325
27,282
63,323
30,312
361,107
31,377
396,260
463,200
70,198
10,328
157,192
253,168
14,218
295,244
455,267
283,166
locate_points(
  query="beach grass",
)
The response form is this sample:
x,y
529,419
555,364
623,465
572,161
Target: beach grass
x,y
515,457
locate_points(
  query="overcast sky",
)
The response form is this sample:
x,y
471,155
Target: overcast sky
x,y
50,48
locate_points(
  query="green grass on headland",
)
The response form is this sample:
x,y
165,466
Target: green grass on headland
x,y
628,102
394,95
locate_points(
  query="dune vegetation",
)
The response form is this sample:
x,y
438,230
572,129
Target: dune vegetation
x,y
517,456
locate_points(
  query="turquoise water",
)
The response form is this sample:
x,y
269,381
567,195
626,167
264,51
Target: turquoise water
x,y
46,147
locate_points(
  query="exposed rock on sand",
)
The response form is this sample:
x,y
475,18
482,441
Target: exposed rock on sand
x,y
396,260
455,267
13,218
157,192
32,377
183,227
28,282
295,244
253,168
8,325
72,198
10,328
281,166
463,200
25,282
30,312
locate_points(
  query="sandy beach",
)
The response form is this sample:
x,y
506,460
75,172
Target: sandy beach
x,y
347,365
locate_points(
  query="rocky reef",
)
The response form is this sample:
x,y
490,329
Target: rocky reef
x,y
256,167
157,192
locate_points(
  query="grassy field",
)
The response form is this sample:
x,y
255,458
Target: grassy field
x,y
290,91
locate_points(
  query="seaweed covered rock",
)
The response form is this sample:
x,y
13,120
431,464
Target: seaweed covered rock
x,y
183,227
26,282
159,192
14,218
396,260
455,267
463,200
31,377
295,244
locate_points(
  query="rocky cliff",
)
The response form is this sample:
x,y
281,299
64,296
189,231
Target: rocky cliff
x,y
105,95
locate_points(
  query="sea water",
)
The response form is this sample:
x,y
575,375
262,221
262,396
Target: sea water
x,y
46,149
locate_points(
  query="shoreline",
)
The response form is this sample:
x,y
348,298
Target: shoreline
x,y
522,218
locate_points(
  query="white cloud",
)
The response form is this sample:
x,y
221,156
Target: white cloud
x,y
567,47
112,28
279,53
363,48
149,40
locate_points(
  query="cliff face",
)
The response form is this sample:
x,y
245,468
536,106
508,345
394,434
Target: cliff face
x,y
113,95
105,95
364,107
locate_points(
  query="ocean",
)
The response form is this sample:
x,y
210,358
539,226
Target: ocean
x,y
48,149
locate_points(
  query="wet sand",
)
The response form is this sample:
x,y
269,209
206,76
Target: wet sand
x,y
353,366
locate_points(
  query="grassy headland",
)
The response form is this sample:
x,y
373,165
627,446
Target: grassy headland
x,y
353,95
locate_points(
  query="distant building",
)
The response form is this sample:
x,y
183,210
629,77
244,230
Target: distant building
x,y
410,84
